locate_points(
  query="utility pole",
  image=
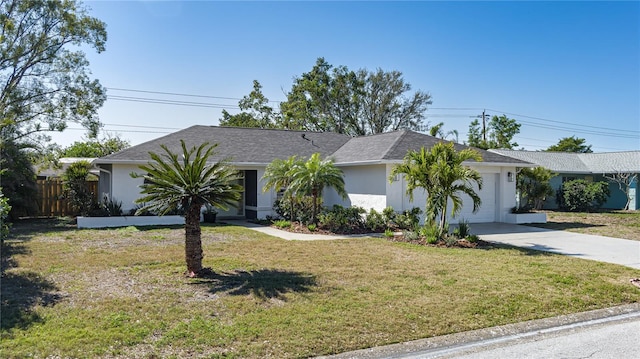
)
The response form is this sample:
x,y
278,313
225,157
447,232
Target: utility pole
x,y
484,128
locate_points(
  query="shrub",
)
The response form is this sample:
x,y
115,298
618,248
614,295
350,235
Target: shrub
x,y
312,227
5,208
473,238
389,215
342,219
431,233
408,219
450,240
75,189
283,223
375,221
463,230
388,233
107,208
580,195
411,235
302,208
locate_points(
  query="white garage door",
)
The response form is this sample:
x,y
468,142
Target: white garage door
x,y
487,211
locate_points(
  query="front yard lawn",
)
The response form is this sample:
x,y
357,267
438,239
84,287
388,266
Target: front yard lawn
x,y
618,224
122,293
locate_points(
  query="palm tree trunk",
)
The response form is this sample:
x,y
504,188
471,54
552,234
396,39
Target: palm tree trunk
x,y
443,216
193,241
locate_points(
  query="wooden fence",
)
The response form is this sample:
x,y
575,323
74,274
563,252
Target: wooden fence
x,y
49,201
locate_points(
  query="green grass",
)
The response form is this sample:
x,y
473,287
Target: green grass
x,y
122,293
618,224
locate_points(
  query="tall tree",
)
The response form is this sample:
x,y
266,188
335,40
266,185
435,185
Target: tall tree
x,y
353,102
441,173
44,78
499,133
385,106
311,178
189,182
255,111
18,179
571,144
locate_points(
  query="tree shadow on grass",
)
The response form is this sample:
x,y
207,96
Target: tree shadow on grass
x,y
21,291
561,226
24,229
264,283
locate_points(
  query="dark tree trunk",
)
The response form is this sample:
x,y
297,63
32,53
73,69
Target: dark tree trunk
x,y
192,241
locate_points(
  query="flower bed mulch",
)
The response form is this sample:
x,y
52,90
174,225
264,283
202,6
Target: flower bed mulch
x,y
297,227
461,243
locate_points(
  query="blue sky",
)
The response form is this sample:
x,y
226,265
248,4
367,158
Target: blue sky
x,y
558,68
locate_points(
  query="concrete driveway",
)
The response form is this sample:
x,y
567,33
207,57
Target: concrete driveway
x,y
605,249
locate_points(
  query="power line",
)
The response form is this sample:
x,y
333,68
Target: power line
x,y
171,102
178,94
566,123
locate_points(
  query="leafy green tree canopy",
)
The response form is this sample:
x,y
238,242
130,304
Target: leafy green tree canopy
x,y
353,102
95,147
499,133
255,111
44,83
571,144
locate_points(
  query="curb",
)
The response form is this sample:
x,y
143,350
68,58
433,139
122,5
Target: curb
x,y
456,343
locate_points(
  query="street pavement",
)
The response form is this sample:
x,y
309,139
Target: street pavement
x,y
600,334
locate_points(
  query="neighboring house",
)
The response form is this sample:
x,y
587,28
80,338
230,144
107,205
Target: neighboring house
x,y
366,162
589,166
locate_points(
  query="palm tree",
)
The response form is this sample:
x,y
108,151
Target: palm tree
x,y
442,175
279,174
312,177
188,182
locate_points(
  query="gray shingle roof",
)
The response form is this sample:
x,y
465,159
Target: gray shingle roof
x,y
393,146
567,162
261,146
241,145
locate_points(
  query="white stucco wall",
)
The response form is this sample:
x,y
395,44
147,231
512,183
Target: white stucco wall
x,y
365,186
124,188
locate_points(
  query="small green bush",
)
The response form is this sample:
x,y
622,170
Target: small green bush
x,y
342,219
463,229
312,227
302,208
282,223
411,235
473,238
450,240
375,221
408,219
388,233
582,196
432,234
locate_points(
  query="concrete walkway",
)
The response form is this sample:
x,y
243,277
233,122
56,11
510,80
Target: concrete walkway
x,y
605,249
291,236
